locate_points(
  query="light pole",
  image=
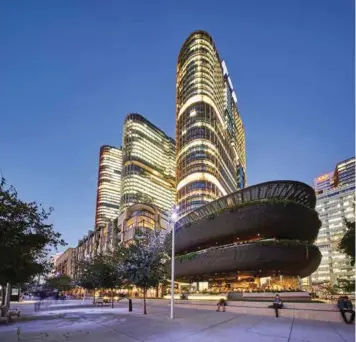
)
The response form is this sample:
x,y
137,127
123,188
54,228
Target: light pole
x,y
174,217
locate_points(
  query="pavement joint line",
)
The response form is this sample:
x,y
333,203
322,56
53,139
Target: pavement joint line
x,y
116,330
333,328
266,334
209,327
291,328
253,325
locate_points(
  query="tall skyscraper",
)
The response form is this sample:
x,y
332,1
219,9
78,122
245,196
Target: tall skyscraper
x,y
148,164
210,137
335,202
109,185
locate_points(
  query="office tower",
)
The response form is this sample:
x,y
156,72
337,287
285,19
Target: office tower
x,y
148,165
109,185
210,137
335,202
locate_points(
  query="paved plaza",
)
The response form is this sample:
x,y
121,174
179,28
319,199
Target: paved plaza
x,y
65,323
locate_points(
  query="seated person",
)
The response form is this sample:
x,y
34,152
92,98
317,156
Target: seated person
x,y
221,303
345,306
277,304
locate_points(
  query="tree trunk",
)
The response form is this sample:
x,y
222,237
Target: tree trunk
x,y
8,295
112,298
157,291
3,292
94,297
144,301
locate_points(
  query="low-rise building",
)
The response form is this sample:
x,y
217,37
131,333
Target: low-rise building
x,y
65,263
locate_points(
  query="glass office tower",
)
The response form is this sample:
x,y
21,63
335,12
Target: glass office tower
x,y
148,165
109,185
210,137
335,202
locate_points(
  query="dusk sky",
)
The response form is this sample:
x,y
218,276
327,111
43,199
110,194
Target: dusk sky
x,y
72,70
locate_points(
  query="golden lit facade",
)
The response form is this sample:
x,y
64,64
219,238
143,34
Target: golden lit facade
x,y
210,137
109,185
148,165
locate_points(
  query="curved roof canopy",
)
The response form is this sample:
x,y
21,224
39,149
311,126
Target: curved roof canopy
x,y
290,190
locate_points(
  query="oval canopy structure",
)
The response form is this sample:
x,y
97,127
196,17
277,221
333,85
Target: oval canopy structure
x,y
265,229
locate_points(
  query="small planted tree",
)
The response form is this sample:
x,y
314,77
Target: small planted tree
x,y
85,276
347,243
62,282
145,262
99,273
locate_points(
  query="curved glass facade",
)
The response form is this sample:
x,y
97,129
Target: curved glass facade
x,y
109,185
210,137
148,174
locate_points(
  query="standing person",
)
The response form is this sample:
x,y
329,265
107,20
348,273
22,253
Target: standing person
x,y
345,306
277,304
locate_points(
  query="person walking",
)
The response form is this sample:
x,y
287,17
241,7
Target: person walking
x,y
344,304
277,304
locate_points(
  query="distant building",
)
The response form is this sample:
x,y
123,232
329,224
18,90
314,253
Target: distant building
x,y
335,202
54,259
148,165
109,185
65,263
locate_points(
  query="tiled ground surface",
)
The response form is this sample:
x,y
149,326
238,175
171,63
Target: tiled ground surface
x,y
106,325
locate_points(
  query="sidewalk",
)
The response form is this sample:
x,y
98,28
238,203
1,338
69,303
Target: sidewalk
x,y
118,325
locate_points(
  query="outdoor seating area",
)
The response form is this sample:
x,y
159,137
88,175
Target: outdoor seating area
x,y
101,301
308,311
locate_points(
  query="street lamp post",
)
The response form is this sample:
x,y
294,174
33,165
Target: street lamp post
x,y
173,219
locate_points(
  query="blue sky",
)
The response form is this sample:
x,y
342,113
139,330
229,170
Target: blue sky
x,y
72,70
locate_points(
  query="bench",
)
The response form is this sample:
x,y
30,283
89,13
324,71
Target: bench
x,y
7,315
101,301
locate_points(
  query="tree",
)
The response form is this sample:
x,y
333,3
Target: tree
x,y
99,273
26,238
61,282
347,243
346,285
145,261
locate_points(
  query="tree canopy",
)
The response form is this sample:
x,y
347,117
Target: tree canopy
x,y
61,282
145,264
26,237
142,262
99,273
347,243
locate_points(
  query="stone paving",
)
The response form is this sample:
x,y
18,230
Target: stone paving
x,y
109,325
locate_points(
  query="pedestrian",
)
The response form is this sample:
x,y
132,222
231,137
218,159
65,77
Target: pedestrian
x,y
221,303
345,306
277,304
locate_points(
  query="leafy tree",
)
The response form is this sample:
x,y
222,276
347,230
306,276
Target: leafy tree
x,y
347,243
61,282
145,261
346,285
26,237
99,273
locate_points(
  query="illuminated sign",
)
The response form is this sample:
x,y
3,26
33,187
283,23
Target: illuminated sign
x,y
324,177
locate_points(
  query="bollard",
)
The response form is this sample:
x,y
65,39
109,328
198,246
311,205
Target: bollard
x,y
130,305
